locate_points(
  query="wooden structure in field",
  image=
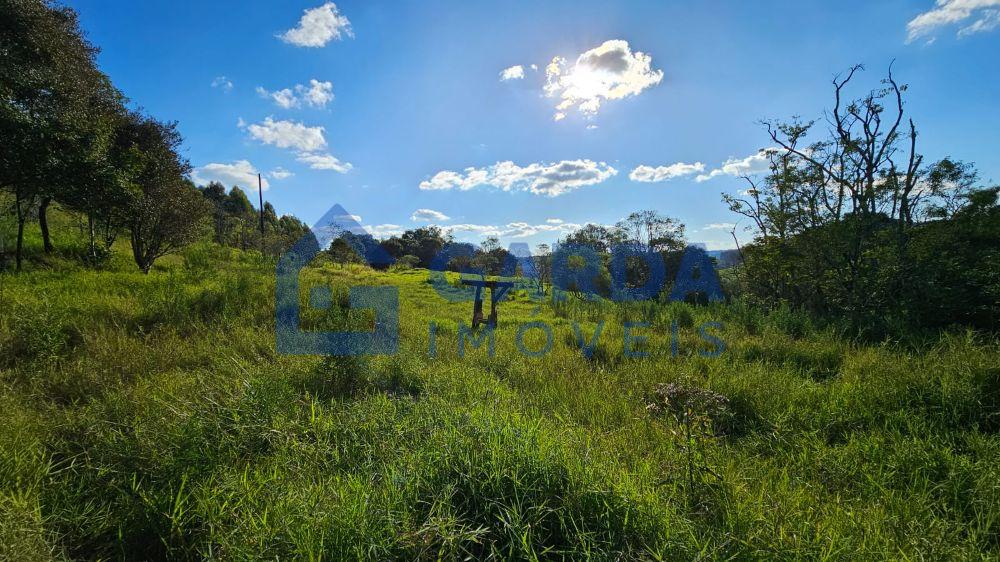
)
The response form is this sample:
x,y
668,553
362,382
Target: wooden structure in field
x,y
498,290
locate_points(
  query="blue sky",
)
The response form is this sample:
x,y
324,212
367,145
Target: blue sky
x,y
388,108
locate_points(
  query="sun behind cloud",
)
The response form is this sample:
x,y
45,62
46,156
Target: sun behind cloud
x,y
611,71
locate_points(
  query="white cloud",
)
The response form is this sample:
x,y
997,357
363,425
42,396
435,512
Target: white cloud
x,y
514,229
550,179
241,173
509,230
719,226
288,134
280,173
989,21
325,162
523,230
428,215
515,72
385,230
649,174
318,27
223,83
284,98
950,12
736,167
308,141
608,72
316,94
480,229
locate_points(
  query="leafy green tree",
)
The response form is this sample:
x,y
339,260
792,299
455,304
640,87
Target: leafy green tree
x,y
342,252
600,238
270,216
407,262
950,186
543,262
242,219
955,265
165,210
393,246
238,204
100,189
425,243
215,193
653,230
56,110
644,231
490,256
288,230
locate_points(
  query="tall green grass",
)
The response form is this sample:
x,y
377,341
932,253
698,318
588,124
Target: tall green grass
x,y
149,417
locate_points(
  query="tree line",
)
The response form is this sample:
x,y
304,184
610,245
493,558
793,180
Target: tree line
x,y
71,138
646,232
237,224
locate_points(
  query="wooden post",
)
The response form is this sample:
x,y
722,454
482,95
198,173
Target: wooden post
x,y
260,193
477,308
492,322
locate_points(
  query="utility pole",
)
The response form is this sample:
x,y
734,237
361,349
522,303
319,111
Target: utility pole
x,y
260,193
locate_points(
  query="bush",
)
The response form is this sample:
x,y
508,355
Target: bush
x,y
202,258
407,262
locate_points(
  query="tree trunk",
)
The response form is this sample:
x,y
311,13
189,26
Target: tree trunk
x,y
20,230
144,263
43,224
137,254
20,240
144,253
90,235
109,235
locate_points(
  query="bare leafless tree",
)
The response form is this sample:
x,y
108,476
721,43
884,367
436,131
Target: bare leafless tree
x,y
857,164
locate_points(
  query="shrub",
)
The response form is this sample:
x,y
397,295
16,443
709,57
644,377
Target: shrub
x,y
407,262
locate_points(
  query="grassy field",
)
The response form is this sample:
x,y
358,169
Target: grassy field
x,y
149,417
